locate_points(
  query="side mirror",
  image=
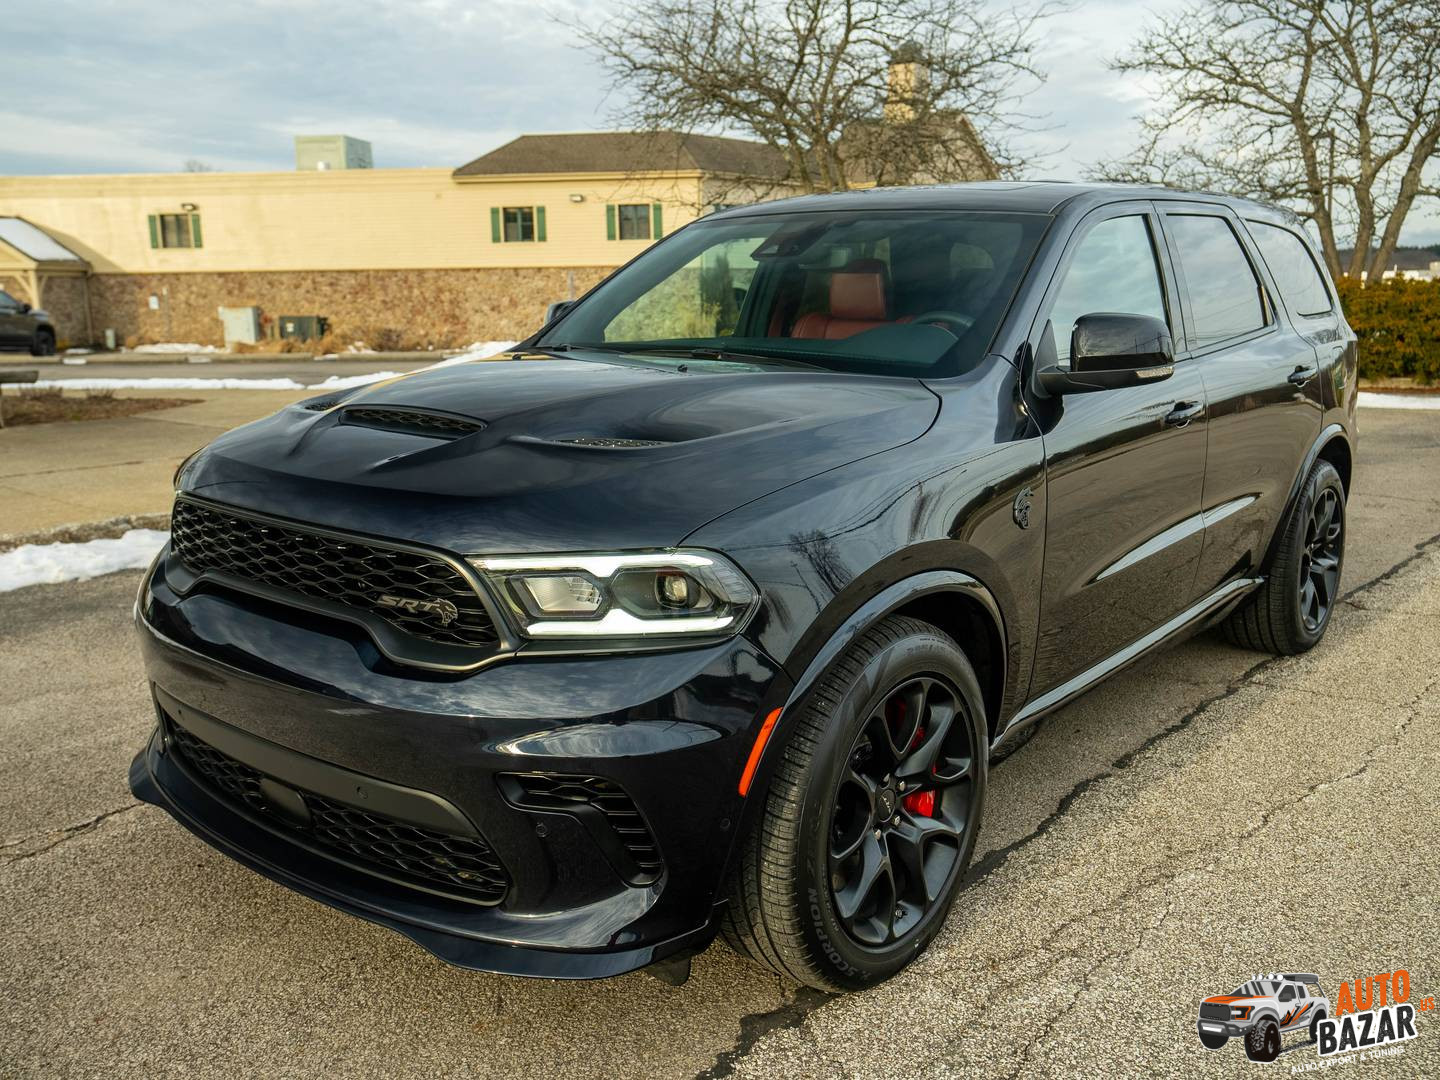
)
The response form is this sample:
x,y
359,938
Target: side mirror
x,y
1107,352
25,308
557,309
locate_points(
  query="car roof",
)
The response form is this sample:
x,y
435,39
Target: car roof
x,y
1016,196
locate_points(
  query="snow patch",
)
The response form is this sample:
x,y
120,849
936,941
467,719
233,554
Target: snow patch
x,y
45,564
479,351
1368,400
174,347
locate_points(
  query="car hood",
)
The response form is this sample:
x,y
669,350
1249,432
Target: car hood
x,y
395,458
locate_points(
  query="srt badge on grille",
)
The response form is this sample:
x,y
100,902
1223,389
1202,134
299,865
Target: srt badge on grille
x,y
444,610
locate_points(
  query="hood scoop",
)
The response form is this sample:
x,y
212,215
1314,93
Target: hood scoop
x,y
411,421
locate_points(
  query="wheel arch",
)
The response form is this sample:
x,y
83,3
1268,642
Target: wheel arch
x,y
956,602
1332,445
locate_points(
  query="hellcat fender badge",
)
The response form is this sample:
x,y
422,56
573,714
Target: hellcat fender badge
x,y
446,611
1022,507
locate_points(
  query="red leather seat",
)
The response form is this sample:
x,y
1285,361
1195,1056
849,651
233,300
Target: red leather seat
x,y
857,303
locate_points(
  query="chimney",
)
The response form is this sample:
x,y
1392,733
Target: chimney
x,y
909,79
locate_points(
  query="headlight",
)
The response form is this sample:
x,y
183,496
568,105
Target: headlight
x,y
643,594
1240,1012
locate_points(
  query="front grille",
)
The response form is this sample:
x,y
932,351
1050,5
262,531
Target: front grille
x,y
421,594
561,791
1210,1010
412,421
461,864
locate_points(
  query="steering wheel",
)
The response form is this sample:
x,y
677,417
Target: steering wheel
x,y
956,322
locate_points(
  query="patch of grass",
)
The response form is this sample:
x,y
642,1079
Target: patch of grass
x,y
51,406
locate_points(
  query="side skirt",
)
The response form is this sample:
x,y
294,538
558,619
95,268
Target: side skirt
x,y
1072,688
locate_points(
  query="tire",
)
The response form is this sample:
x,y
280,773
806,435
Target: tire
x,y
1213,1040
1262,1042
797,903
1283,616
44,343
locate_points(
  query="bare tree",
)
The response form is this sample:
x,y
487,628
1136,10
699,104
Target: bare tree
x,y
196,165
883,90
1330,108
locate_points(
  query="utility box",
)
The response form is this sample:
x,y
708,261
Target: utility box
x,y
331,152
303,327
241,325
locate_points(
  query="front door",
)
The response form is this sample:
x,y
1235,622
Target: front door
x,y
10,322
1261,371
1124,468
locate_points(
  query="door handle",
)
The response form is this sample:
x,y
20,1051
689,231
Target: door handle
x,y
1301,375
1183,413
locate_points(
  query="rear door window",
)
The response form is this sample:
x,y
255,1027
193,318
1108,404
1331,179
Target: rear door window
x,y
1225,295
1114,271
1293,267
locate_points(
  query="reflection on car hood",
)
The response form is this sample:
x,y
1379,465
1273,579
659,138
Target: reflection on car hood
x,y
521,454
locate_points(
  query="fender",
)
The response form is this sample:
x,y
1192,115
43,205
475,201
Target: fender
x,y
861,619
1330,432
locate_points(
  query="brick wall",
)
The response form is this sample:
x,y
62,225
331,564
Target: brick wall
x,y
63,298
418,308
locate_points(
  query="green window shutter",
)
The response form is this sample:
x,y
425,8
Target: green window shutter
x,y
154,231
539,223
195,231
657,226
494,224
609,223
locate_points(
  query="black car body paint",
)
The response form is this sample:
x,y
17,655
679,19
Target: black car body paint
x,y
843,496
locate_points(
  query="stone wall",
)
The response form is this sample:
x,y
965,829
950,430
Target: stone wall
x,y
395,309
63,298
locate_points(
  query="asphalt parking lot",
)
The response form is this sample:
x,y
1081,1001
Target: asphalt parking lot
x,y
1204,816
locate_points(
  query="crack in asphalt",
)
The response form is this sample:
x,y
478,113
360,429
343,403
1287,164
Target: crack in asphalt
x,y
755,1026
69,832
796,1011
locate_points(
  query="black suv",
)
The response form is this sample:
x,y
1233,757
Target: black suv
x,y
707,608
24,327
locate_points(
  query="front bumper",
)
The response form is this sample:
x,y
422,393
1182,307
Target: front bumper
x,y
290,695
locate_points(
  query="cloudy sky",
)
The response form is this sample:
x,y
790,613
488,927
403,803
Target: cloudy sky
x,y
145,85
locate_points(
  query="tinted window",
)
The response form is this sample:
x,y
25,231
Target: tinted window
x,y
1113,270
1224,292
1294,269
8,301
908,293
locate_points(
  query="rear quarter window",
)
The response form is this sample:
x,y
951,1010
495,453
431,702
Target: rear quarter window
x,y
1294,269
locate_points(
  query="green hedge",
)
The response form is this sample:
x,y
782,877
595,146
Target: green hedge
x,y
1398,323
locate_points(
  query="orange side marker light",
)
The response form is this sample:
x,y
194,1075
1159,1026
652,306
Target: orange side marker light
x,y
755,751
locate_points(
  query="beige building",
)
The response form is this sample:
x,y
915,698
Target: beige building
x,y
397,258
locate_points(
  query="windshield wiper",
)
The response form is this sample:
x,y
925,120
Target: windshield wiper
x,y
707,352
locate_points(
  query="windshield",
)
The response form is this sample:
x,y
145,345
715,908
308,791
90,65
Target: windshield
x,y
889,293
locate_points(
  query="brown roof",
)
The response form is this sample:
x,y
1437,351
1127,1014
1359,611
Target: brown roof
x,y
628,152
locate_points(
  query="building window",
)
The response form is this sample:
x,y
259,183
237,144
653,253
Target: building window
x,y
634,221
175,231
519,223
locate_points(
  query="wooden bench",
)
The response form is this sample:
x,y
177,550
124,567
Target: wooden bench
x,y
26,375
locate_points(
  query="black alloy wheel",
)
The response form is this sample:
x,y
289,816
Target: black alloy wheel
x,y
1320,559
43,344
901,811
1288,614
872,803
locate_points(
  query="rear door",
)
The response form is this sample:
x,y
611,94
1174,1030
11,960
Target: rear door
x,y
1124,468
1261,379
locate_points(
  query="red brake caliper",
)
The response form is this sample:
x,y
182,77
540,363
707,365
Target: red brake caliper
x,y
920,803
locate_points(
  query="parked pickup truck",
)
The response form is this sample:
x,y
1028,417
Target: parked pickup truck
x,y
1262,1010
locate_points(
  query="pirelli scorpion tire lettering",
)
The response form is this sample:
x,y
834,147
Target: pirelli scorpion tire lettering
x,y
871,817
1289,613
1262,1042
